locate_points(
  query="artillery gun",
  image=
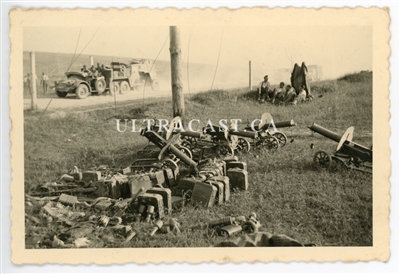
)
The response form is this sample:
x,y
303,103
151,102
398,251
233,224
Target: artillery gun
x,y
170,148
212,140
348,155
261,134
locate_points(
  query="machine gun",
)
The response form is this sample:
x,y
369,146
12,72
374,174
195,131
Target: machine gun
x,y
262,136
347,155
172,146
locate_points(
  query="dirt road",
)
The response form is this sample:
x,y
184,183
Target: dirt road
x,y
71,101
54,103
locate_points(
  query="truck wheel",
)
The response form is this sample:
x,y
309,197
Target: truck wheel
x,y
100,85
124,87
61,94
114,89
155,86
82,91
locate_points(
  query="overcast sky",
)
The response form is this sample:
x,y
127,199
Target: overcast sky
x,y
338,50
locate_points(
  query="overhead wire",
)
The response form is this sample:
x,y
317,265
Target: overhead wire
x,y
84,48
152,65
76,46
72,61
216,66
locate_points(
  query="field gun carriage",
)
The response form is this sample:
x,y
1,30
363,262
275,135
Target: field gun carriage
x,y
264,135
212,140
165,148
348,154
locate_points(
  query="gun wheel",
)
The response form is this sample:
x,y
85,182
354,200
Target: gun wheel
x,y
249,227
281,138
225,150
191,140
243,145
187,144
322,158
168,163
186,151
339,165
269,143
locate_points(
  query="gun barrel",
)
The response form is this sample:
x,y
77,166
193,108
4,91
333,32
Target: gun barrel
x,y
290,123
325,132
184,158
247,134
191,134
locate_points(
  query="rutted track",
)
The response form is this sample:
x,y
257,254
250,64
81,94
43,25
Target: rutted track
x,y
72,103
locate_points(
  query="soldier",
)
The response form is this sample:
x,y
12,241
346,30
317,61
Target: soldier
x,y
93,70
301,97
84,69
27,84
99,69
290,97
263,89
44,82
279,93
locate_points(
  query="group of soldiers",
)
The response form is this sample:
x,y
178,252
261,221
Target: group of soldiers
x,y
284,95
94,71
44,83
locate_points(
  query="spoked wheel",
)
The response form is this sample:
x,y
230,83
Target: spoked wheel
x,y
339,165
186,151
269,143
225,150
243,145
168,163
322,159
191,140
187,144
281,138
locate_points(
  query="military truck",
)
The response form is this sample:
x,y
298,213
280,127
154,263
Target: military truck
x,y
118,78
132,76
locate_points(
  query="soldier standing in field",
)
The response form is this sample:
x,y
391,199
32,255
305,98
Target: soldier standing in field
x,y
263,89
44,82
27,83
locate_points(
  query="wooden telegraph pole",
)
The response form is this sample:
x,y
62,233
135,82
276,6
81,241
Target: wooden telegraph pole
x,y
33,81
178,102
250,75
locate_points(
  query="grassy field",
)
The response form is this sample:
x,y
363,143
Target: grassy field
x,y
289,194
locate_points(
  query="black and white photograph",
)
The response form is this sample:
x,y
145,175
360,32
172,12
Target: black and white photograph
x,y
211,130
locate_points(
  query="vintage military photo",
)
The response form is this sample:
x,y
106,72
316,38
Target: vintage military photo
x,y
200,135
